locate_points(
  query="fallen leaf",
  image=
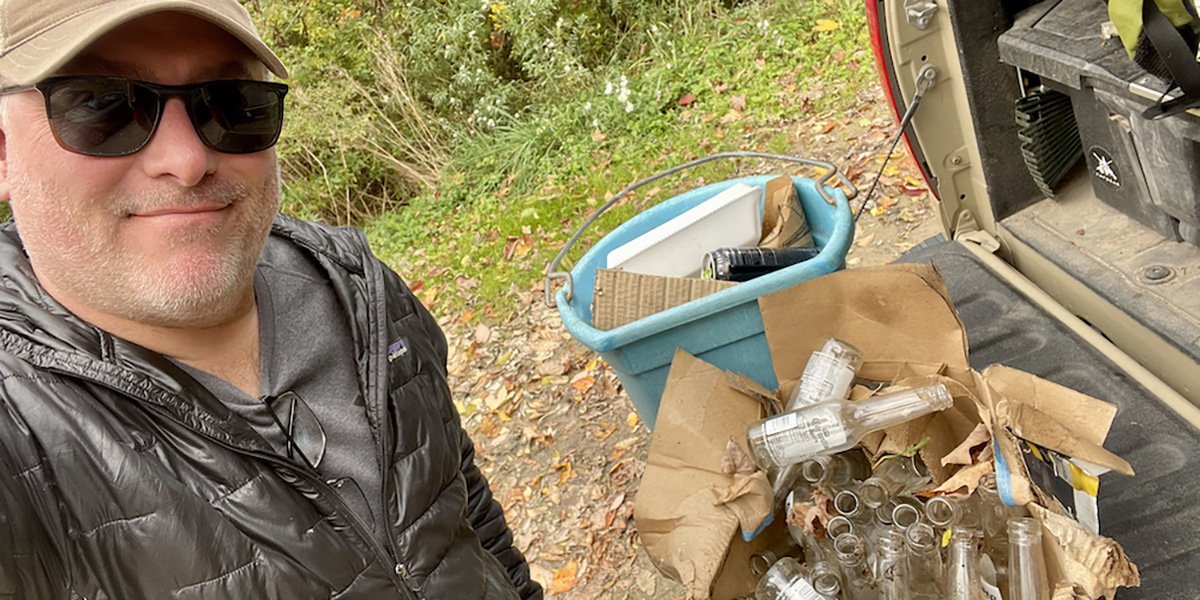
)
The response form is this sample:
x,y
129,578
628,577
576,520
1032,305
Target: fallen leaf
x,y
632,420
552,367
483,333
599,136
824,25
583,384
731,116
687,100
735,461
854,260
961,455
738,102
865,240
564,579
719,86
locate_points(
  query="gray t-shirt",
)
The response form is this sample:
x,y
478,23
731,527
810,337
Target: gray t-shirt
x,y
307,349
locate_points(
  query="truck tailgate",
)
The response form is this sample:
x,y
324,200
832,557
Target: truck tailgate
x,y
1154,515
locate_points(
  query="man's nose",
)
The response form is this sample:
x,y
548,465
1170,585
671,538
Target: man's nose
x,y
176,150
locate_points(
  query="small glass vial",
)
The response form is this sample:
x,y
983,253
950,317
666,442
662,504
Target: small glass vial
x,y
892,567
828,375
761,563
838,526
826,578
851,553
962,566
785,581
1027,578
835,472
951,512
924,561
837,425
848,505
905,516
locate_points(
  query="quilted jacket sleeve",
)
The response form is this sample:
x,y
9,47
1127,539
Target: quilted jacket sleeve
x,y
486,515
30,565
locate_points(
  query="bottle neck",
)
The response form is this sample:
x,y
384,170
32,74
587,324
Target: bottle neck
x,y
893,409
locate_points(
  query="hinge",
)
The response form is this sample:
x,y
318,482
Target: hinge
x,y
966,229
920,12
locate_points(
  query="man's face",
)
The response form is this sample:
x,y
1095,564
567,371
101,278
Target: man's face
x,y
168,236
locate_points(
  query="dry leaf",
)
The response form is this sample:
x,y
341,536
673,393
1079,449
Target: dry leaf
x,y
826,25
583,384
552,367
738,102
735,461
632,420
687,100
564,579
482,334
962,454
865,240
599,136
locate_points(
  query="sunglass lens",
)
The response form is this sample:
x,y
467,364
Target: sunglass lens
x,y
101,117
239,117
301,425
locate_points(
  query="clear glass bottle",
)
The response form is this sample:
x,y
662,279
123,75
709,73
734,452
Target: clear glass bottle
x,y
825,577
1027,578
891,566
893,476
851,554
837,526
951,512
848,505
905,516
962,566
828,375
993,522
837,425
837,471
761,562
924,561
785,581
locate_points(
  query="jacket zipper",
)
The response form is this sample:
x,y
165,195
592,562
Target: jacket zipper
x,y
399,574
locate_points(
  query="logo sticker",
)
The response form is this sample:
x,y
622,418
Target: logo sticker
x,y
397,350
1104,167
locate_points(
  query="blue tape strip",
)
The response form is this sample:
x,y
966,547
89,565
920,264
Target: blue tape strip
x,y
1003,477
750,535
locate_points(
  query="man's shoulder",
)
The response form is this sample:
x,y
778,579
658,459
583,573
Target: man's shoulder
x,y
346,246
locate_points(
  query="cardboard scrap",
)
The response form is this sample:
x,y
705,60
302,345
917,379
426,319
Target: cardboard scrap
x,y
1097,565
621,297
784,223
688,511
961,455
897,315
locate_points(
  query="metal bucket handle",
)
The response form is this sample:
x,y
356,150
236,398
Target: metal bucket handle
x,y
830,171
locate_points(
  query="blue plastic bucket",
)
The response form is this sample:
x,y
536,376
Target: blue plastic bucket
x,y
725,328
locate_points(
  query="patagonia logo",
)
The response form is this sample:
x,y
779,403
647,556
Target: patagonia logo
x,y
398,349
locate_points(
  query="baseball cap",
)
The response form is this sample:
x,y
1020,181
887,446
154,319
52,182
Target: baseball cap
x,y
37,37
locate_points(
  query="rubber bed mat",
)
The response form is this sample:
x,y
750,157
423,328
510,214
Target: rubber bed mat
x,y
1155,515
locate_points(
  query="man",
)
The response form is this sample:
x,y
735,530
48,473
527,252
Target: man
x,y
198,397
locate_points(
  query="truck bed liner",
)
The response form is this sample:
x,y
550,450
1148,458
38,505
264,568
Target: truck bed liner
x,y
1156,514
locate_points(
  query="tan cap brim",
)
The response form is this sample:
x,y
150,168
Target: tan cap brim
x,y
40,57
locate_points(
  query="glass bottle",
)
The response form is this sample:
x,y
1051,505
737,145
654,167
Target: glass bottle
x,y
825,577
993,522
951,512
924,560
893,476
837,425
837,526
828,375
905,516
835,472
848,505
892,567
761,562
851,554
785,581
962,567
1027,578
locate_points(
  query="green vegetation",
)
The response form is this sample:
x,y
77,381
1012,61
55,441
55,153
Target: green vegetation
x,y
470,138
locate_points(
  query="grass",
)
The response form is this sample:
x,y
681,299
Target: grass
x,y
511,197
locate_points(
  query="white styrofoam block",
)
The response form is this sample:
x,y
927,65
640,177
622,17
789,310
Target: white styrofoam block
x,y
731,219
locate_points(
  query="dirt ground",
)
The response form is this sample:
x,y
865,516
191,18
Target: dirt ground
x,y
560,440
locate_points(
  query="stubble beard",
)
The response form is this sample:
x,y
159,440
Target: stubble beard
x,y
106,276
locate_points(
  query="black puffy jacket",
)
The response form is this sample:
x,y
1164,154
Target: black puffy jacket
x,y
121,477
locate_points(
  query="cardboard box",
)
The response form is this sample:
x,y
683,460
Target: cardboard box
x,y
622,298
689,510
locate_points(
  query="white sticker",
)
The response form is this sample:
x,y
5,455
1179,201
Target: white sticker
x,y
800,590
792,437
991,591
825,377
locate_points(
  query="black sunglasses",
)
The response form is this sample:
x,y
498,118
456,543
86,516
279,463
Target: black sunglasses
x,y
115,116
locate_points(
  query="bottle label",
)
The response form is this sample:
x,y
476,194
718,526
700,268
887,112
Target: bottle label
x,y
825,377
992,592
792,437
800,590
